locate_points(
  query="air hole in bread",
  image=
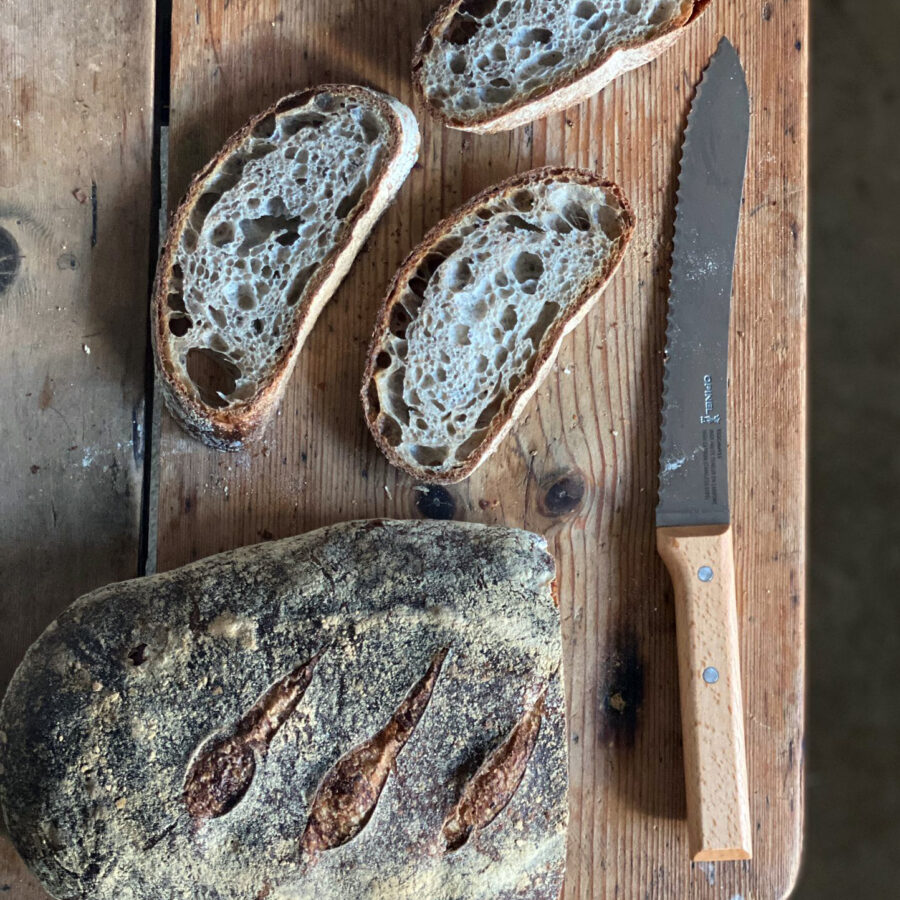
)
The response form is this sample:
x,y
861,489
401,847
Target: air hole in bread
x,y
218,343
552,58
298,285
559,225
517,221
461,30
256,231
349,202
523,201
368,124
246,299
584,9
259,149
598,23
399,321
222,234
610,221
189,239
498,53
180,325
633,6
527,267
218,316
286,239
493,94
264,128
213,374
509,319
548,314
428,456
457,63
205,202
462,274
577,216
175,301
478,8
390,430
486,416
324,101
525,37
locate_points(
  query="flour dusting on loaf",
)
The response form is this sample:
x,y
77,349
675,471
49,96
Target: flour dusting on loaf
x,y
300,720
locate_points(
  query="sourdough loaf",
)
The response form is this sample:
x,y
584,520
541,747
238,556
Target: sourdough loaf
x,y
259,244
373,710
491,65
475,316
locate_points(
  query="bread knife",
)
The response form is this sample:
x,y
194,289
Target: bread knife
x,y
693,520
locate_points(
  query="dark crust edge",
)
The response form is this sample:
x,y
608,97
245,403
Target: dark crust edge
x,y
229,428
549,345
441,20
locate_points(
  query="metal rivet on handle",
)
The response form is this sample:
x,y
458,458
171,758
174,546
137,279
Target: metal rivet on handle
x,y
710,675
705,573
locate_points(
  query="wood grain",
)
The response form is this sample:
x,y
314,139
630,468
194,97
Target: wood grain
x,y
581,465
75,199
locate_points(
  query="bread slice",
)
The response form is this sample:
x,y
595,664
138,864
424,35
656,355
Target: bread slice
x,y
475,316
492,65
372,710
259,244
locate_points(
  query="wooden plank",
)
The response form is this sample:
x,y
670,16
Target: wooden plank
x,y
75,195
581,465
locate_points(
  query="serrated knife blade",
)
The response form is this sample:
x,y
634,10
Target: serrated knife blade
x,y
693,472
693,515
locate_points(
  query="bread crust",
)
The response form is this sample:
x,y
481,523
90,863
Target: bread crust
x,y
550,344
299,652
229,428
560,94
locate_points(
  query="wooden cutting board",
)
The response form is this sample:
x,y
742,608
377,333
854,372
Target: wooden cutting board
x,y
580,467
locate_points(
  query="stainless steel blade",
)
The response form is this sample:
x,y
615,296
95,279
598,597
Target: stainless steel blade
x,y
693,471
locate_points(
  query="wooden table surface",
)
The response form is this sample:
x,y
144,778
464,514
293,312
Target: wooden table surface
x,y
77,229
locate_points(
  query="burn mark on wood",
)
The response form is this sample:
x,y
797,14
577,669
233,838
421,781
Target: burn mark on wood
x,y
563,495
623,692
435,502
9,260
349,793
223,771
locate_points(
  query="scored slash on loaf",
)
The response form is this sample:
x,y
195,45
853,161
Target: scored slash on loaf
x,y
371,711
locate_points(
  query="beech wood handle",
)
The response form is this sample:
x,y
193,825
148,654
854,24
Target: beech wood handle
x,y
701,562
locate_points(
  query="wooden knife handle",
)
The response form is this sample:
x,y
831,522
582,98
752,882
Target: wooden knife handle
x,y
701,562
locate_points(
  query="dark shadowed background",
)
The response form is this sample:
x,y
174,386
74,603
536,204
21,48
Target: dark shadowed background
x,y
853,738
